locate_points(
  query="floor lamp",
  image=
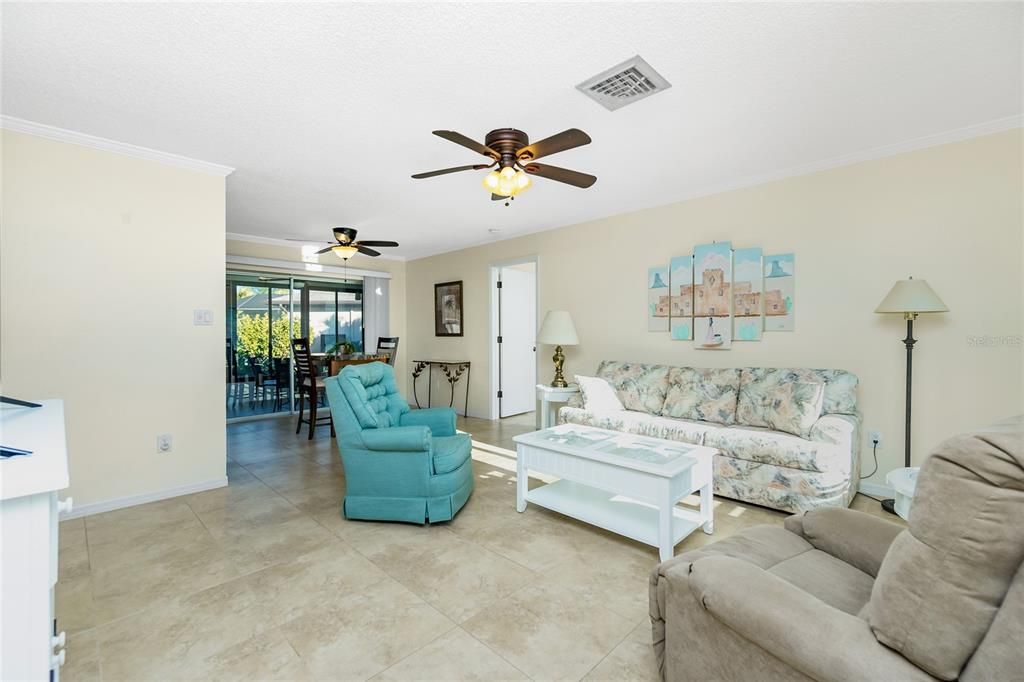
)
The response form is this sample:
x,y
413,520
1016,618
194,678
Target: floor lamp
x,y
909,297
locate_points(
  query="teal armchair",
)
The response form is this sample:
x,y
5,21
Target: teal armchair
x,y
400,464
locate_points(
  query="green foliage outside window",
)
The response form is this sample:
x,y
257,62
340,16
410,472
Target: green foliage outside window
x,y
253,342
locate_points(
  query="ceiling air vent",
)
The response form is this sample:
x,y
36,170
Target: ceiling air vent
x,y
628,82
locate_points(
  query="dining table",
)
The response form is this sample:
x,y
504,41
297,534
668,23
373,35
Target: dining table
x,y
333,365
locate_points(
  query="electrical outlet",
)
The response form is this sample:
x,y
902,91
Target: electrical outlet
x,y
875,437
163,443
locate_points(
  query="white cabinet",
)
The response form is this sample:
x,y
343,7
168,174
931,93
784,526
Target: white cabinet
x,y
29,542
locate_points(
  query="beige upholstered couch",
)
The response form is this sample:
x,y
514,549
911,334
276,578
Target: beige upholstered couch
x,y
842,595
787,438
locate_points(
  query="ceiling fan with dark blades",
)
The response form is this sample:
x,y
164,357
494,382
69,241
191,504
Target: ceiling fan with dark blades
x,y
511,151
345,245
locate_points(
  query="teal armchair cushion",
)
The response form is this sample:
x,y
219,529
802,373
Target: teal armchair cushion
x,y
400,464
450,452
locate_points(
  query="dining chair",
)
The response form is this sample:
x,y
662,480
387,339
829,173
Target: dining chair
x,y
388,345
308,388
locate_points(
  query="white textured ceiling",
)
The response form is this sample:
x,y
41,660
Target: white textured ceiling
x,y
325,110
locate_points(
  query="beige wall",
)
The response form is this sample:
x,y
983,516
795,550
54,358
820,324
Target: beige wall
x,y
104,258
950,214
396,268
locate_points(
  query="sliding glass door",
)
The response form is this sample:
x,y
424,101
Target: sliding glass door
x,y
264,313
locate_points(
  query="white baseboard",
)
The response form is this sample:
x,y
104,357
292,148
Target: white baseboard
x,y
884,492
133,500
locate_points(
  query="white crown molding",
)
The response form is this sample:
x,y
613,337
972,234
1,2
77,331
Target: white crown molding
x,y
291,243
301,268
20,125
133,500
998,125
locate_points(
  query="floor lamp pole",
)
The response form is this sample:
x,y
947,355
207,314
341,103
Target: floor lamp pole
x,y
909,343
889,505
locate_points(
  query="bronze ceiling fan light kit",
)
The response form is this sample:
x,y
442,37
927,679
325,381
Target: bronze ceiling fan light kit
x,y
510,151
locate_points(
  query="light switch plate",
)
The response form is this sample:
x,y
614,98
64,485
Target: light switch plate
x,y
202,317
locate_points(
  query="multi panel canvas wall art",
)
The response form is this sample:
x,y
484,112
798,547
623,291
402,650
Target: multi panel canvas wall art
x,y
747,294
657,299
720,295
680,313
712,296
780,292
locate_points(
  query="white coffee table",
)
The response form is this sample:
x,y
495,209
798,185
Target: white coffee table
x,y
620,482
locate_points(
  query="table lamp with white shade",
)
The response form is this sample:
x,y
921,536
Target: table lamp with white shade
x,y
558,330
910,297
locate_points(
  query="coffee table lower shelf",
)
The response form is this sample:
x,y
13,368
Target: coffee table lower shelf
x,y
612,511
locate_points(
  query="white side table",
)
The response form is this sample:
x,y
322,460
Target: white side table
x,y
903,482
550,397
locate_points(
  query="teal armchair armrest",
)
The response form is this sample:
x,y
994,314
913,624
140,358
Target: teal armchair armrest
x,y
400,438
441,420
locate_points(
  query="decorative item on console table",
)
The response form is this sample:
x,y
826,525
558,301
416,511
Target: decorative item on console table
x,y
453,372
558,330
910,297
448,309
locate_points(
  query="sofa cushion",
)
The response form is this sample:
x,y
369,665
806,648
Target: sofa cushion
x,y
598,394
641,388
451,452
781,399
702,394
944,578
779,449
638,423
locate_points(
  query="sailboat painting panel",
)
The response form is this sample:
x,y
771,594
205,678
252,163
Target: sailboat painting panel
x,y
657,299
780,292
712,296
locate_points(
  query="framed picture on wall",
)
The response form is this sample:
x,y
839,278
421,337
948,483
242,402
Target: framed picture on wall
x,y
448,309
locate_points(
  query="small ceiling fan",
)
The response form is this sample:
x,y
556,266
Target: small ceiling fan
x,y
345,245
511,151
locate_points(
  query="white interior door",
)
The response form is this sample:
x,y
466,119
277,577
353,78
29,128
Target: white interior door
x,y
518,348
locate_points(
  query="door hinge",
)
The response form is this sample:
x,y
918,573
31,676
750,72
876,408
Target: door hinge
x,y
499,339
499,283
499,394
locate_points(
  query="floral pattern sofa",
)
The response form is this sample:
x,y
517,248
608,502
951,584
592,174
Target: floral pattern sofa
x,y
787,438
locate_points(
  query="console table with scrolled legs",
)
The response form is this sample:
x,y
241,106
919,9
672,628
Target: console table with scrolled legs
x,y
453,372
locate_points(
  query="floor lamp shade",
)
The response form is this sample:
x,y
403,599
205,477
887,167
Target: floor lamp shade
x,y
558,330
909,297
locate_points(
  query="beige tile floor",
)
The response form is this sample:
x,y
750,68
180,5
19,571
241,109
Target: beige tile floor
x,y
264,580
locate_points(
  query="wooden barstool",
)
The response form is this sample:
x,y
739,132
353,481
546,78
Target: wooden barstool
x,y
307,388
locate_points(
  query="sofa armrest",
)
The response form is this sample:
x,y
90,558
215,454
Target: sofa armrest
x,y
398,438
838,429
857,538
441,420
820,641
